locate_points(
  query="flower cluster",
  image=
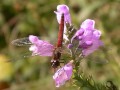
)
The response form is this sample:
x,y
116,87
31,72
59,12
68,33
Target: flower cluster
x,y
87,37
44,48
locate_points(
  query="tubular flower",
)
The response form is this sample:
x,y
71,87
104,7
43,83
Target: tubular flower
x,y
40,47
63,9
63,74
88,37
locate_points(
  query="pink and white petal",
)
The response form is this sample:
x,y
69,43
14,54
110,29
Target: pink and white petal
x,y
67,18
46,49
88,24
58,15
40,47
63,74
63,8
60,77
68,69
97,33
33,39
32,48
96,44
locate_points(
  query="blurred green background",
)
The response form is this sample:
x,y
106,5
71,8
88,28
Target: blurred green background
x,y
20,18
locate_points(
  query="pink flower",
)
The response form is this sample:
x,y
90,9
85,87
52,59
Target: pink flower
x,y
40,47
63,74
63,9
88,37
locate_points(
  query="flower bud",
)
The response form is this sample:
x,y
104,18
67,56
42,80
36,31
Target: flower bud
x,y
70,46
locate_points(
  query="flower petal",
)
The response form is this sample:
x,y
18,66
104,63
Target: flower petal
x,y
33,39
63,9
88,24
63,74
40,47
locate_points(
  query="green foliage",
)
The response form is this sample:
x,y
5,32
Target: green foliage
x,y
87,83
